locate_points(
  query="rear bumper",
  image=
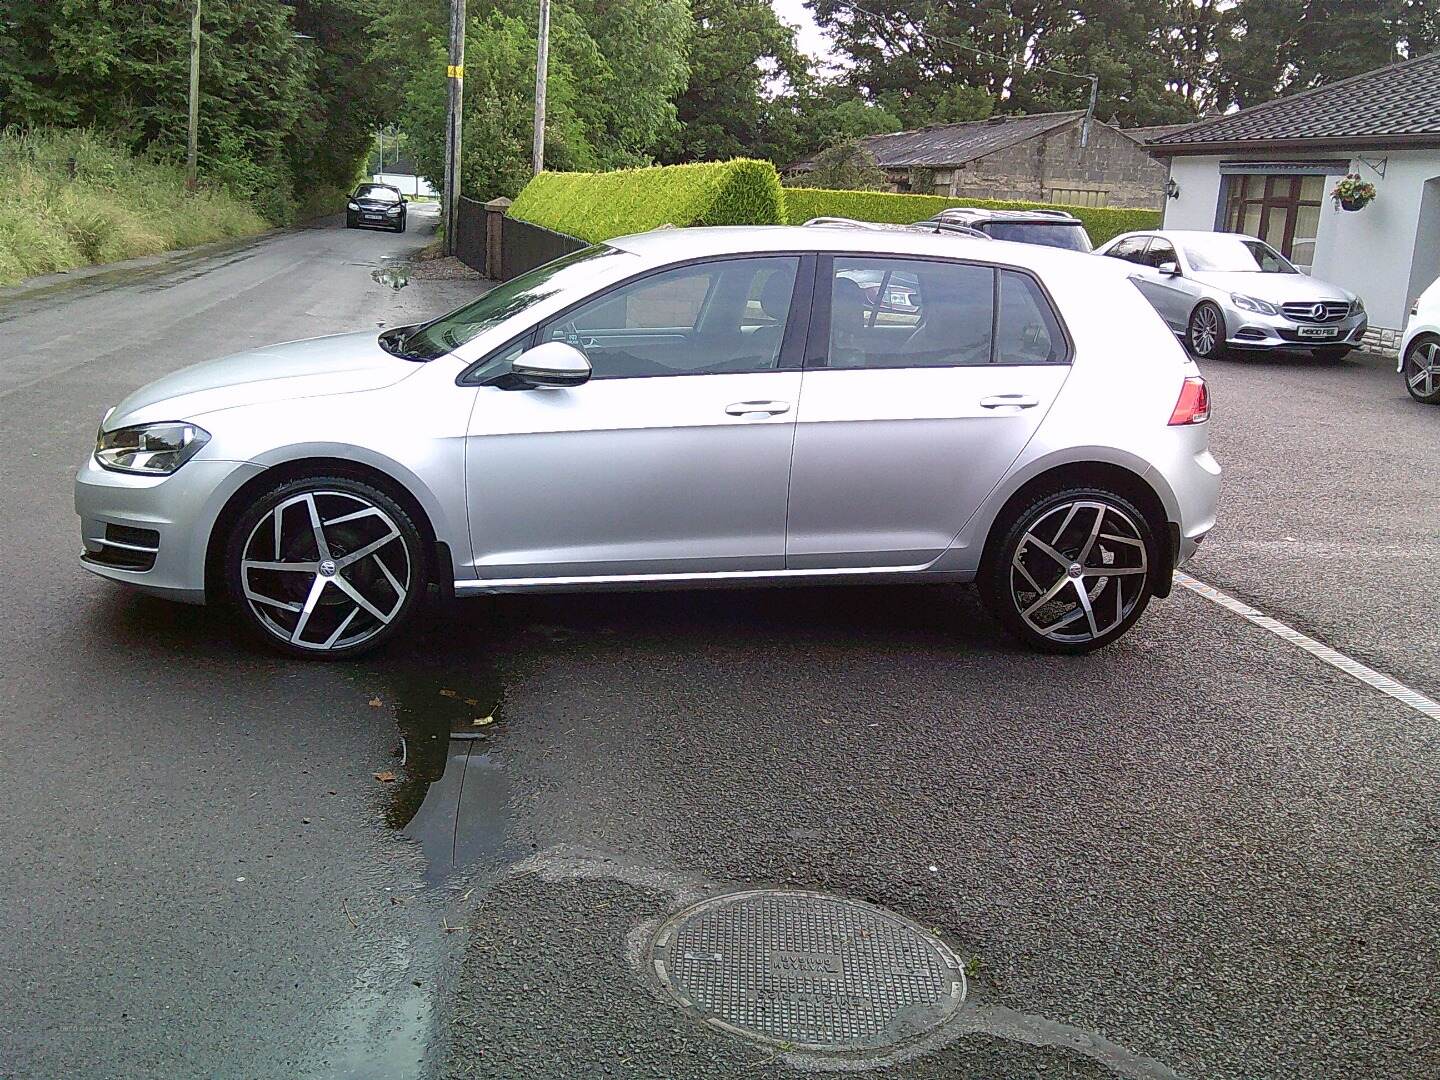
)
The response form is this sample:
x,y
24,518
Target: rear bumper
x,y
163,524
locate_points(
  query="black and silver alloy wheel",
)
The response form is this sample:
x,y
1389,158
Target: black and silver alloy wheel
x,y
1073,573
326,567
1422,370
1206,333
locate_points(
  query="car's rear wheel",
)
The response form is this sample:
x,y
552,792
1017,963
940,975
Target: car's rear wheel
x,y
1205,333
1072,570
1422,369
326,566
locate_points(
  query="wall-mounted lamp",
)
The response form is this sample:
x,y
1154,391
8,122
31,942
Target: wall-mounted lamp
x,y
1172,189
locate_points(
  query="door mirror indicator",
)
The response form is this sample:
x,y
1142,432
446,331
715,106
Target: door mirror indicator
x,y
548,366
1169,268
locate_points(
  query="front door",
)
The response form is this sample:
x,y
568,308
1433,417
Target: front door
x,y
914,404
1172,295
673,459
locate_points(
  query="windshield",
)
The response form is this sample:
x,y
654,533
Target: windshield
x,y
449,332
1062,234
377,193
1226,253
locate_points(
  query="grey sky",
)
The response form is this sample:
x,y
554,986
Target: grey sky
x,y
809,39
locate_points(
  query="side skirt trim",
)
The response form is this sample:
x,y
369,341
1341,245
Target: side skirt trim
x,y
736,577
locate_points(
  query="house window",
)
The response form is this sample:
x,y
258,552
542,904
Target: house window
x,y
1284,211
1080,196
942,179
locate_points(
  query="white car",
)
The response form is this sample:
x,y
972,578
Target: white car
x,y
1420,349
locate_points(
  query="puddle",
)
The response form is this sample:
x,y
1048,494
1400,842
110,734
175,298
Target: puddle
x,y
446,790
397,277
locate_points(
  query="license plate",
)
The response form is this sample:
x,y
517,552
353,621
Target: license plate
x,y
1317,331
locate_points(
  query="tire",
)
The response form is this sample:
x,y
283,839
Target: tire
x,y
1332,354
401,227
1017,571
1421,370
349,222
355,604
1205,332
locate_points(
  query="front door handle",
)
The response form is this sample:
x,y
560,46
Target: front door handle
x,y
1009,401
758,408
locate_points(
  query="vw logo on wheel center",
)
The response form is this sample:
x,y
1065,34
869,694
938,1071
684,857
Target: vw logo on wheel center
x,y
327,568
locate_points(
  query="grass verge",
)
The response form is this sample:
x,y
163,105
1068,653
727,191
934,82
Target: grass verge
x,y
76,197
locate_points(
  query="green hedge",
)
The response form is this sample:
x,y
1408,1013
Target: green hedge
x,y
802,204
597,206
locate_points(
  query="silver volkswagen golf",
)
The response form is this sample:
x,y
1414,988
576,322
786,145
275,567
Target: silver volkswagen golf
x,y
684,408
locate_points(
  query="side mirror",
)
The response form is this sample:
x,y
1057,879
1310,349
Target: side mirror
x,y
549,365
1169,269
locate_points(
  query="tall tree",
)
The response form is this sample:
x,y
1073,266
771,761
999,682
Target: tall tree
x,y
740,51
1024,55
1270,47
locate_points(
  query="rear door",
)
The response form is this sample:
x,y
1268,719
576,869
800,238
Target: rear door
x,y
911,413
1172,295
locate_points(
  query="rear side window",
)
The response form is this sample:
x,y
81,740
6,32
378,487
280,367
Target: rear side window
x,y
1068,235
1026,329
899,313
908,313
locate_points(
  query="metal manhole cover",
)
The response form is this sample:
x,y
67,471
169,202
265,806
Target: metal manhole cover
x,y
808,971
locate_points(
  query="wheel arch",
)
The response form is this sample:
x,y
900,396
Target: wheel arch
x,y
323,465
1112,476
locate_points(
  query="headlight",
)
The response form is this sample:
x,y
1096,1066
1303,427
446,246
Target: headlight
x,y
393,210
1249,303
353,205
1357,306
149,449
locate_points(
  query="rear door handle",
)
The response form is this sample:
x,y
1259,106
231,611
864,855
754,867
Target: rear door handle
x,y
758,408
1012,401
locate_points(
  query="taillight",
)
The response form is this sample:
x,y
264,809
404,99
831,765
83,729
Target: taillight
x,y
1194,404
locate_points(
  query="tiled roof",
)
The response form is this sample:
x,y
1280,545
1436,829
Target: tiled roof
x,y
1390,103
954,144
1143,135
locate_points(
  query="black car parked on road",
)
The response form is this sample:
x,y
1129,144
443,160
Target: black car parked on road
x,y
376,206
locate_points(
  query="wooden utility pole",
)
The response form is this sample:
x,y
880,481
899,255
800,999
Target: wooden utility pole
x,y
193,141
1089,120
542,65
455,74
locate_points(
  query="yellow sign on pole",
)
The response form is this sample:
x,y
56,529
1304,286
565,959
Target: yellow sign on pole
x,y
455,71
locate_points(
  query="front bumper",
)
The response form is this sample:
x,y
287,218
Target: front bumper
x,y
1247,330
163,523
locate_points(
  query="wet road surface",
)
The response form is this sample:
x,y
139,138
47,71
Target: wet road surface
x,y
1201,844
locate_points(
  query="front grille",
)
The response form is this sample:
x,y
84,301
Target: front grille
x,y
1316,311
124,547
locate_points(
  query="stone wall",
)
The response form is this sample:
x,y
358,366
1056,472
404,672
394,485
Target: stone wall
x,y
1113,170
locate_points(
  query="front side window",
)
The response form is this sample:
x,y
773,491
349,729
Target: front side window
x,y
703,318
447,333
897,313
1160,252
1131,249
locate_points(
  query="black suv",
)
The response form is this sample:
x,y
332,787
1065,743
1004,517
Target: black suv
x,y
1049,228
377,206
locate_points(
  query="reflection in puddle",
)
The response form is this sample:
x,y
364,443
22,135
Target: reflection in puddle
x,y
397,277
449,792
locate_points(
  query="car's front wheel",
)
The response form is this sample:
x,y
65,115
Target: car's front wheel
x,y
1422,369
1205,333
326,566
1071,571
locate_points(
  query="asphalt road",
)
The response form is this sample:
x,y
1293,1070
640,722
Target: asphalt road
x,y
1200,852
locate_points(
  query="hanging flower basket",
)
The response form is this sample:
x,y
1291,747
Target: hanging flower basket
x,y
1352,193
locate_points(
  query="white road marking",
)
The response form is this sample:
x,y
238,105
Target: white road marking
x,y
1369,676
